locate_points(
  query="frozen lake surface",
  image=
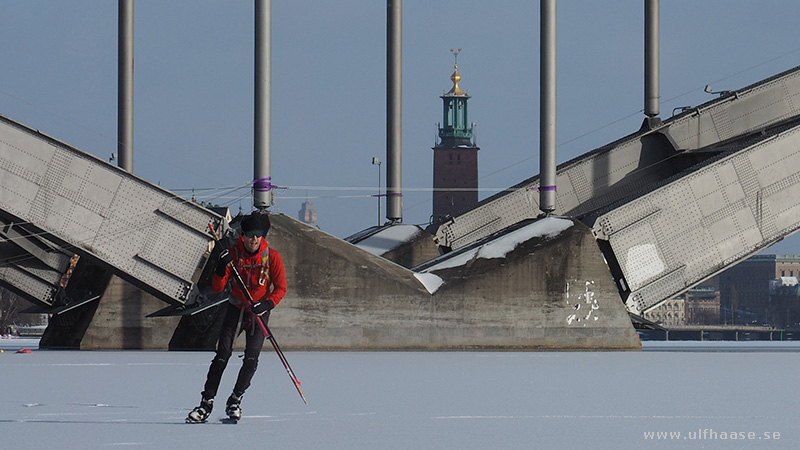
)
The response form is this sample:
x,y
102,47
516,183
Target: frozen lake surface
x,y
694,394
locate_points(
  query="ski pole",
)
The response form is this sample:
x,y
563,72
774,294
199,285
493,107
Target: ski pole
x,y
264,329
284,360
286,365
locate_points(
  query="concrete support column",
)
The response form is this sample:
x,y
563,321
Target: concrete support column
x,y
262,193
547,108
125,85
651,58
394,111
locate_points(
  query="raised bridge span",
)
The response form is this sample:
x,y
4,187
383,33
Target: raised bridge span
x,y
668,206
677,201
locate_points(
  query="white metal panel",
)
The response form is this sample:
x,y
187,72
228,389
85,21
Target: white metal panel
x,y
26,282
141,231
768,104
718,214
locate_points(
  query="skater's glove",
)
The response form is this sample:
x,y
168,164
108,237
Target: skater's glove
x,y
262,307
222,263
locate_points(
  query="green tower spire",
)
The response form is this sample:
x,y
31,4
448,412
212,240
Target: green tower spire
x,y
455,128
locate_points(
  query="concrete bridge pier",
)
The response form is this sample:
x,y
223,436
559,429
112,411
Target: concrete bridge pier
x,y
522,289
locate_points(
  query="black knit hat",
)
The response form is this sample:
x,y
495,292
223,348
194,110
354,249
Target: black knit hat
x,y
256,221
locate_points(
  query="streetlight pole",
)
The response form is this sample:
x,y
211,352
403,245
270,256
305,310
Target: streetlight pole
x,y
376,161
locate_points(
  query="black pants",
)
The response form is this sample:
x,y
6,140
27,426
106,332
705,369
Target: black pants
x,y
254,342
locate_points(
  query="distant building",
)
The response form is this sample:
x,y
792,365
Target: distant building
x,y
697,306
671,313
761,290
745,288
307,214
783,309
702,306
455,156
223,211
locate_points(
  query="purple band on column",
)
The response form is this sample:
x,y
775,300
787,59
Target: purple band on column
x,y
262,184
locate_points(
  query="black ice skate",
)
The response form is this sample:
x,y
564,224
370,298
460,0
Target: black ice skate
x,y
200,413
233,407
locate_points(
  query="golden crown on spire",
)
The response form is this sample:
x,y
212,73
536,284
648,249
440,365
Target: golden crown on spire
x,y
455,77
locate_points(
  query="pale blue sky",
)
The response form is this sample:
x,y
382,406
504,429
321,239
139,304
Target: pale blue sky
x,y
193,125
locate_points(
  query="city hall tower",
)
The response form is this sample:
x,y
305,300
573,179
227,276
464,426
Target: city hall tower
x,y
455,156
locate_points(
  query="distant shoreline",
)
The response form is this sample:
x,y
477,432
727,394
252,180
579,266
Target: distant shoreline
x,y
17,343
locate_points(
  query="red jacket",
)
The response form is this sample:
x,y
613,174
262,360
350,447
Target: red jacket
x,y
257,274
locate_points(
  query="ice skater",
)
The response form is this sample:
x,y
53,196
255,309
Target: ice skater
x,y
261,269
